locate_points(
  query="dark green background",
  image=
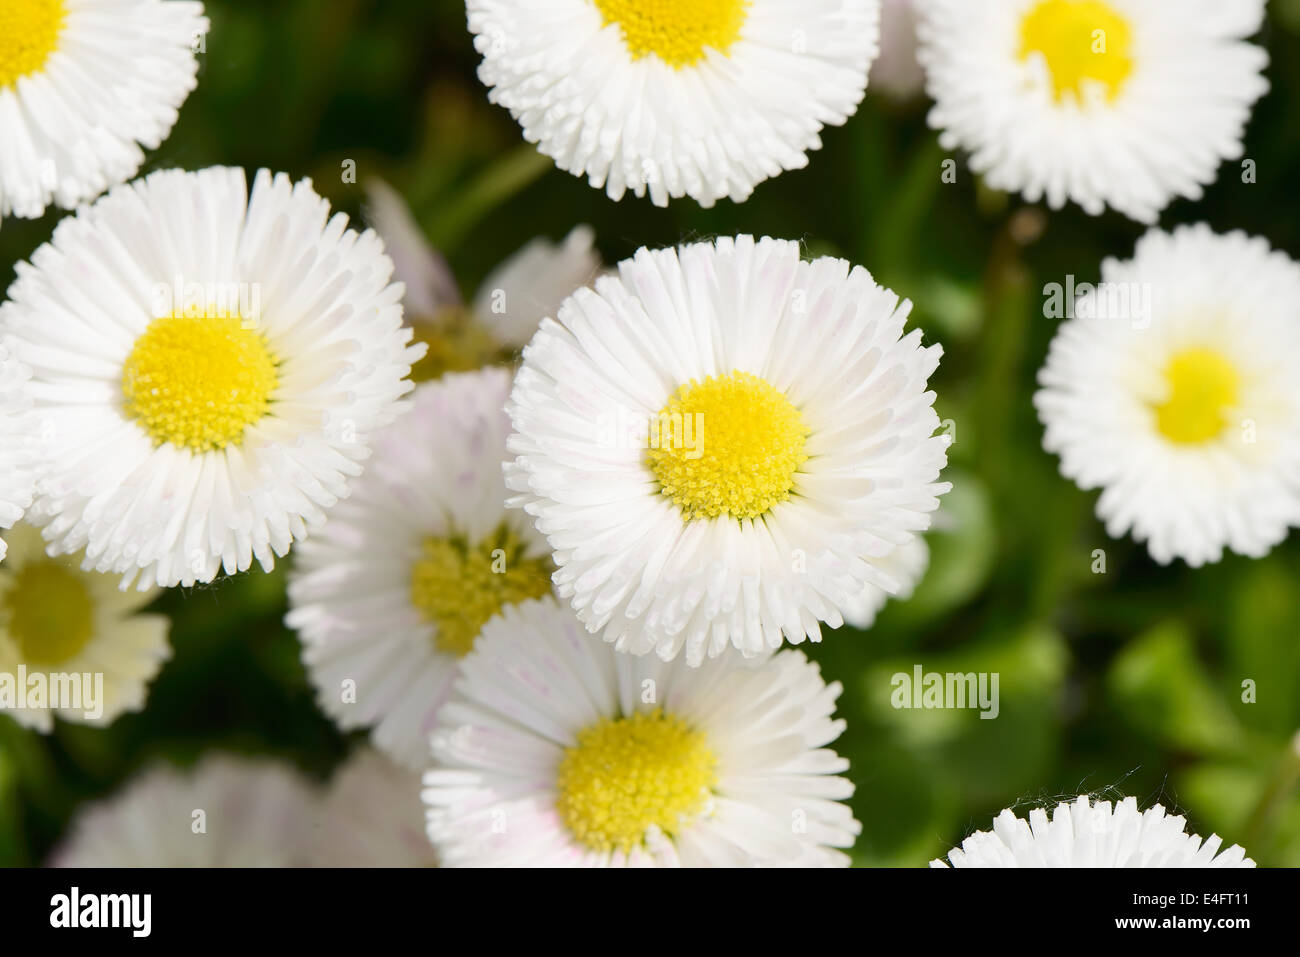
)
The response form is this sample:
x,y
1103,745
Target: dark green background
x,y
1127,682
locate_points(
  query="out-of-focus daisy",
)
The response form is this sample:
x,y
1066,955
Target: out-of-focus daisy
x,y
19,442
226,811
905,565
1173,390
897,72
509,304
84,84
705,477
210,368
1121,103
557,750
392,593
75,631
700,98
1091,833
371,816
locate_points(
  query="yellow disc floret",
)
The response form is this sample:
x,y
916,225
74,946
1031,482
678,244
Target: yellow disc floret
x,y
458,586
29,33
626,774
457,342
729,444
47,612
1203,388
676,31
1082,40
199,381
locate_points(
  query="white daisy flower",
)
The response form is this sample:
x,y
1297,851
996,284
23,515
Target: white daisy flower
x,y
705,476
508,306
558,751
1091,833
372,816
1173,390
1121,103
906,565
226,811
700,98
19,442
897,72
84,85
392,593
73,632
210,366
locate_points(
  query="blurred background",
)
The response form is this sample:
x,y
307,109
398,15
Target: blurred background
x,y
1127,681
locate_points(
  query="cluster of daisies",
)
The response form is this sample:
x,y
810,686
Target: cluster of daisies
x,y
562,584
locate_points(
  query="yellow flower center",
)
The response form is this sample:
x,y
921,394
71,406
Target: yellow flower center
x,y
626,774
730,444
1203,388
48,613
199,381
457,586
676,31
1082,40
457,342
29,33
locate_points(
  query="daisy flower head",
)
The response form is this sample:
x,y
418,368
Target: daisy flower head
x,y
391,594
85,87
372,816
1172,389
226,811
1120,103
699,98
1088,833
557,751
502,316
704,476
73,635
209,366
19,441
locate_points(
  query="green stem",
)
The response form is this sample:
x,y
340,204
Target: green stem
x,y
1285,779
451,221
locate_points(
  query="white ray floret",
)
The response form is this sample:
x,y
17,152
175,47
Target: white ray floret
x,y
706,476
208,366
226,811
86,86
557,751
1119,103
393,591
73,634
700,98
1088,833
1173,391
